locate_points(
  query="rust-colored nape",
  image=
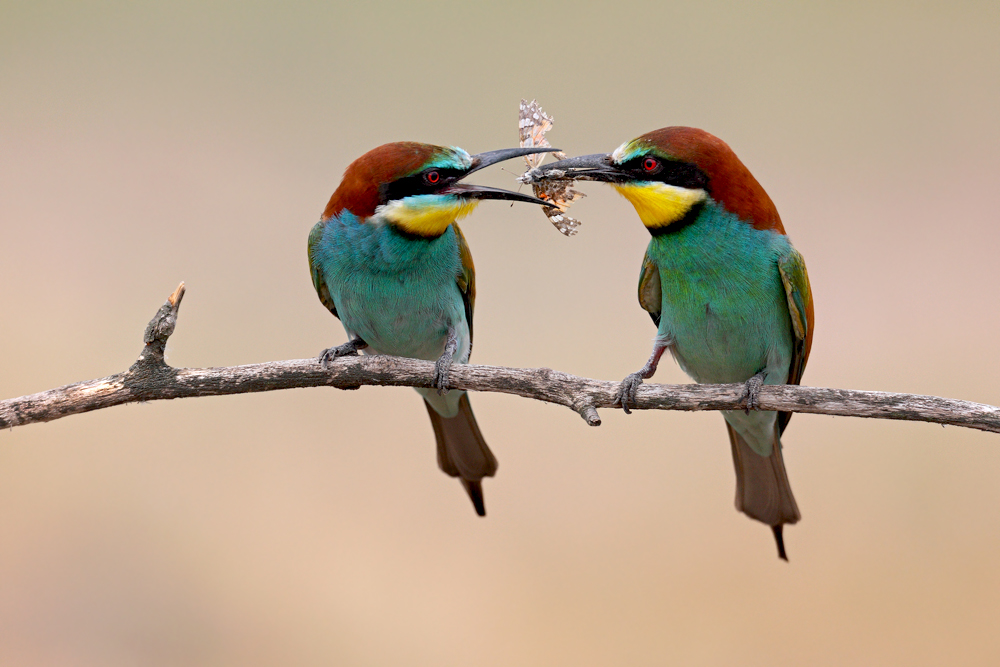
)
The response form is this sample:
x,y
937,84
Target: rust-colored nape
x,y
358,190
730,182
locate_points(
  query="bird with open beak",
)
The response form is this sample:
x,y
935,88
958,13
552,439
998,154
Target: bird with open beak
x,y
388,259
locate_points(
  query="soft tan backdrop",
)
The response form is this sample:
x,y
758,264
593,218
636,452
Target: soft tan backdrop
x,y
143,144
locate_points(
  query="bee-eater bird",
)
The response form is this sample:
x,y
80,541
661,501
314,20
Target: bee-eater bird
x,y
727,291
389,260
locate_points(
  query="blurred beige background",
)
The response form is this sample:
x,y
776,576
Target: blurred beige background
x,y
143,144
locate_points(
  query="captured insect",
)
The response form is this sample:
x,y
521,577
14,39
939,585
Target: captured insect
x,y
532,125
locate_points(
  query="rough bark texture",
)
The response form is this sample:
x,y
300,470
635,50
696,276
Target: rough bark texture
x,y
151,379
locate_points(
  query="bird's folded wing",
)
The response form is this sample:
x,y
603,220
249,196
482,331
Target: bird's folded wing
x,y
650,291
466,279
800,307
319,282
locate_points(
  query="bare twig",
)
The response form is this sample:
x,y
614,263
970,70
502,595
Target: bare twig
x,y
151,379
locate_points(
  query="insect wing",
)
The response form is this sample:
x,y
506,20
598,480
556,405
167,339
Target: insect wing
x,y
532,124
562,194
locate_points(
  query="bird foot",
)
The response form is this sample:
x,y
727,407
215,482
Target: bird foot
x,y
627,391
348,349
442,367
750,398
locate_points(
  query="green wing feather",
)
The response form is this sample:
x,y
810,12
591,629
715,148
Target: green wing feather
x,y
466,279
650,291
795,279
319,282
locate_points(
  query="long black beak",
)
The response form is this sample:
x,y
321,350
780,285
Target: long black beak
x,y
481,160
597,167
486,192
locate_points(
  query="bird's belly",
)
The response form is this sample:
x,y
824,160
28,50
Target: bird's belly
x,y
724,327
717,346
404,316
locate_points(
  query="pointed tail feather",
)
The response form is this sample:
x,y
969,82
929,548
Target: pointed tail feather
x,y
475,490
762,489
462,451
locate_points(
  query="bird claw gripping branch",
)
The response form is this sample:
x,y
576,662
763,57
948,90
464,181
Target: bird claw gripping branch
x,y
627,391
442,367
751,392
348,349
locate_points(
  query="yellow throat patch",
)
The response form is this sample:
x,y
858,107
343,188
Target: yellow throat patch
x,y
426,215
659,205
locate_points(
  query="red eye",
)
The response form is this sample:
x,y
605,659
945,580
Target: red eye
x,y
650,163
432,177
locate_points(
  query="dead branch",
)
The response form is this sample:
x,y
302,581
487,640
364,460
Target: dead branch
x,y
151,379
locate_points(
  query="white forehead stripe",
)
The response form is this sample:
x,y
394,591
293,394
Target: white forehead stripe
x,y
616,156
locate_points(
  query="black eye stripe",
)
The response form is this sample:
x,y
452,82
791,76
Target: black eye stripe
x,y
671,172
418,184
